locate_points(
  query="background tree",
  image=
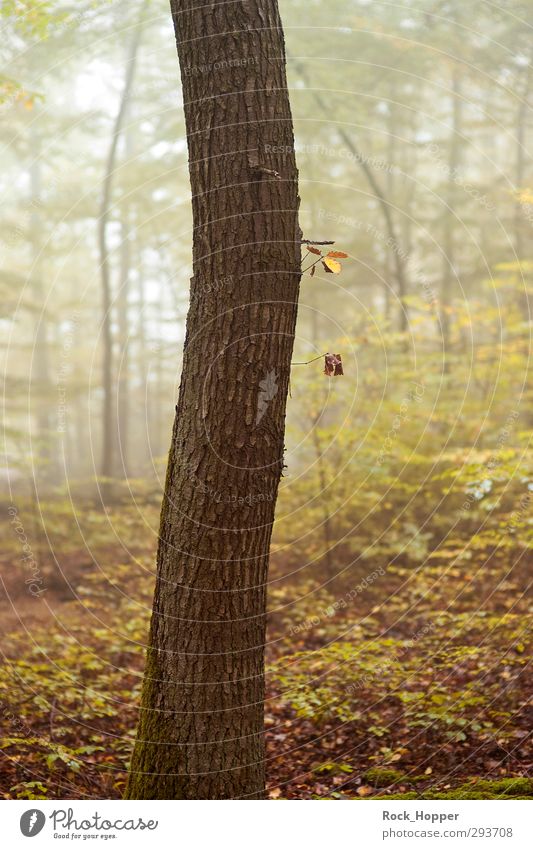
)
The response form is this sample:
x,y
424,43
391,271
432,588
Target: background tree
x,y
108,383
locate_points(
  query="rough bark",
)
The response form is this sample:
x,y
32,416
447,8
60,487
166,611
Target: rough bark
x,y
201,724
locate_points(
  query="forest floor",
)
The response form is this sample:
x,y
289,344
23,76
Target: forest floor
x,y
397,681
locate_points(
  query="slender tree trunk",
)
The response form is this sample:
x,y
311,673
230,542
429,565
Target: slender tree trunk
x,y
520,163
450,198
390,183
313,293
385,206
201,726
325,503
123,382
144,456
318,447
407,201
41,356
108,440
397,253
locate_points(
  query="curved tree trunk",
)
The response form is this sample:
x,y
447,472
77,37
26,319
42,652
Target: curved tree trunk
x,y
201,725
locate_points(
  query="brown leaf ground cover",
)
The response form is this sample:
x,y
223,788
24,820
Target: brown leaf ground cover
x,y
416,686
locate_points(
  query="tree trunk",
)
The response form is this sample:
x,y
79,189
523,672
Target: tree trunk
x,y
449,271
201,726
108,432
140,366
325,502
123,377
157,440
520,162
46,469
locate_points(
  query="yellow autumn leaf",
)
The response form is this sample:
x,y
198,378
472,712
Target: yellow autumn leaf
x,y
331,265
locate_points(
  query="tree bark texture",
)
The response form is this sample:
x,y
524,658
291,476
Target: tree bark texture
x,y
200,733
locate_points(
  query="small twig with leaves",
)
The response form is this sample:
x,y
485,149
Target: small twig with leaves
x,y
332,364
329,260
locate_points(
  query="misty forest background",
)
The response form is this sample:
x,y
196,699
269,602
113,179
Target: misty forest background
x,y
400,619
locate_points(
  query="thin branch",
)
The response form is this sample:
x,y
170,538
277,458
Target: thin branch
x,y
313,263
399,264
310,361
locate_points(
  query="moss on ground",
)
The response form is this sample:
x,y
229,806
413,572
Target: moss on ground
x,y
503,788
383,777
